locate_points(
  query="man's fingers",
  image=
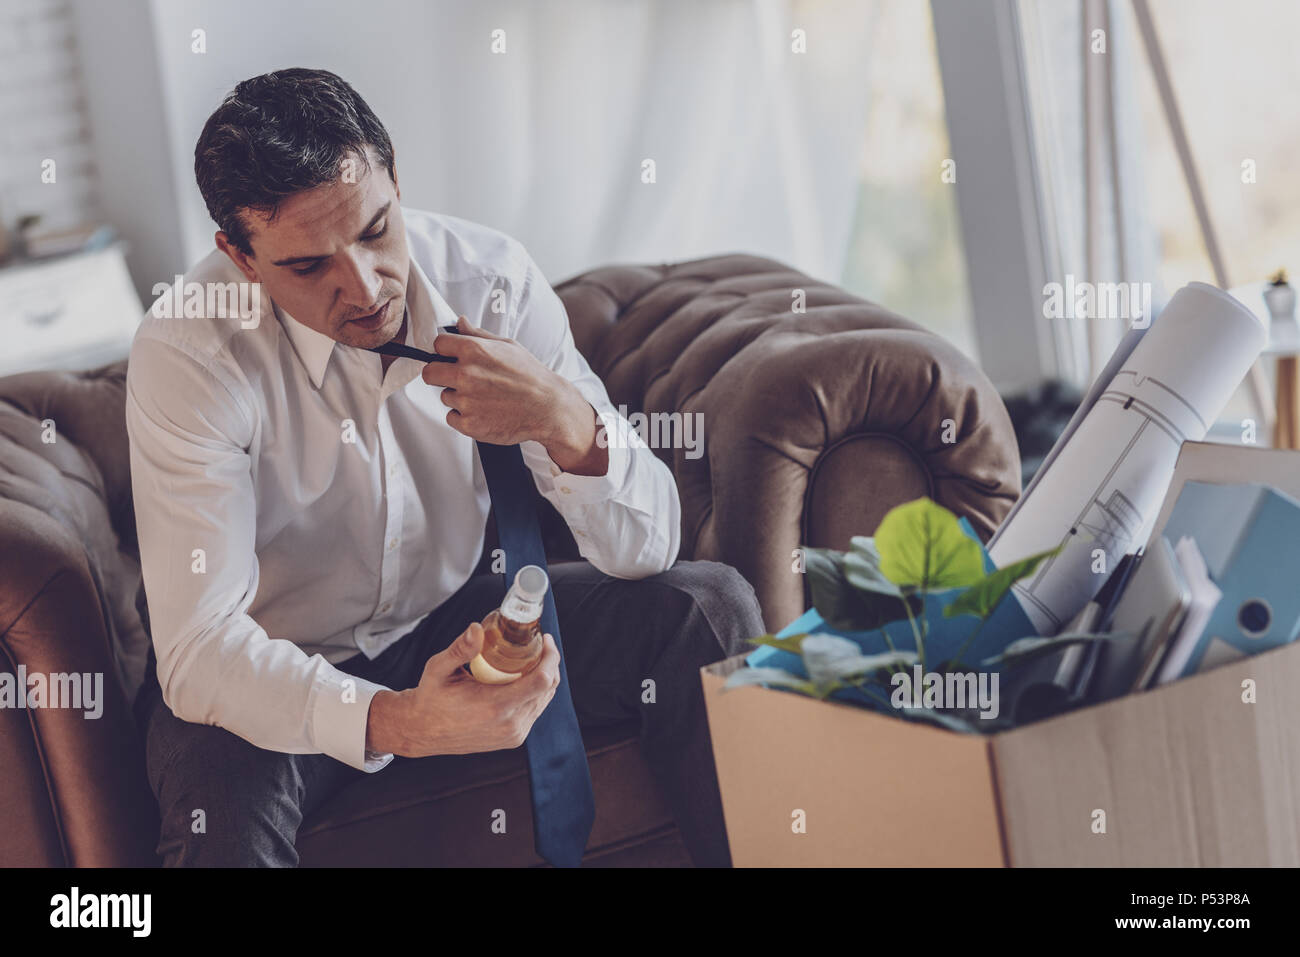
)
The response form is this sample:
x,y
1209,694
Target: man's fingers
x,y
460,652
446,374
550,655
535,689
451,344
465,341
546,676
467,328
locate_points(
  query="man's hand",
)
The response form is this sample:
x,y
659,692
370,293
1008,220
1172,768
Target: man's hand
x,y
501,393
449,712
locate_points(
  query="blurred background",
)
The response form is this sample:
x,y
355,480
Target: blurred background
x,y
946,159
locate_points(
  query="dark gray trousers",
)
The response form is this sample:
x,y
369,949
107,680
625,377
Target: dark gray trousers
x,y
616,633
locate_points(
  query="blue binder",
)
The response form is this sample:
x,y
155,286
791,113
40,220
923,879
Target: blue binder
x,y
1250,537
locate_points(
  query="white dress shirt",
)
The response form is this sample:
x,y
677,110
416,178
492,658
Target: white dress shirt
x,y
273,546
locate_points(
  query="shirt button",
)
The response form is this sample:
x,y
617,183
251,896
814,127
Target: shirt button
x,y
392,543
554,470
385,607
565,489
392,469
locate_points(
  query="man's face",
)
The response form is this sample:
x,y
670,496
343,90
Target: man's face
x,y
335,257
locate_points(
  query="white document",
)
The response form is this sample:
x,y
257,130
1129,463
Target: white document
x,y
1098,495
1205,597
1113,365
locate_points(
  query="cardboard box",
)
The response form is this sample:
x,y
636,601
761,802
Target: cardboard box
x,y
1187,775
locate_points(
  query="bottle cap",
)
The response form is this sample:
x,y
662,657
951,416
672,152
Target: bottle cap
x,y
531,582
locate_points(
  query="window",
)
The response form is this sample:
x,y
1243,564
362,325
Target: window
x,y
905,249
1236,75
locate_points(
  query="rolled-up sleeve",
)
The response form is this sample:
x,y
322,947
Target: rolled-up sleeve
x,y
626,522
196,521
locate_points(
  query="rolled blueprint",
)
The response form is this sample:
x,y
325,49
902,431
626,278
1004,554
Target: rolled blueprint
x,y
1101,492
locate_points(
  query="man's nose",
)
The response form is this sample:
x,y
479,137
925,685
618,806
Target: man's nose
x,y
360,280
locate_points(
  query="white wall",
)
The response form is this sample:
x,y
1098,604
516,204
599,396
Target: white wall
x,y
133,145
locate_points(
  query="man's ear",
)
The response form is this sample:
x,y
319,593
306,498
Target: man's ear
x,y
237,256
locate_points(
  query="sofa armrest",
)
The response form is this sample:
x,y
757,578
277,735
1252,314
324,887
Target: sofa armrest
x,y
813,435
74,791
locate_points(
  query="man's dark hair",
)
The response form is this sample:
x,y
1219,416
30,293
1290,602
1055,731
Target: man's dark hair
x,y
278,134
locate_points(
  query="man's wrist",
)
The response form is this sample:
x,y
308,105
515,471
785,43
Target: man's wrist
x,y
384,723
574,447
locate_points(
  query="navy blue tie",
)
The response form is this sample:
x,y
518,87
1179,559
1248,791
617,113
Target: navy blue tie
x,y
563,804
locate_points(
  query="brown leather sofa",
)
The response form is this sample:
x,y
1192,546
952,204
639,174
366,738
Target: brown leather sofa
x,y
816,422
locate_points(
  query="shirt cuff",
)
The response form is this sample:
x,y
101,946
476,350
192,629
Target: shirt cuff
x,y
340,713
618,438
591,489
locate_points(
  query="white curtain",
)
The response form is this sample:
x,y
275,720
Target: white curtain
x,y
756,148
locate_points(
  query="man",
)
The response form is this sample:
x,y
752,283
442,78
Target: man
x,y
311,513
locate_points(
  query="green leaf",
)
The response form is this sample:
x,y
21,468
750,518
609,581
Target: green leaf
x,y
1027,649
922,545
770,676
855,666
862,568
831,594
820,652
789,643
983,596
842,606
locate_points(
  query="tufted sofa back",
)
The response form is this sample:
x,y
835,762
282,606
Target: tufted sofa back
x,y
816,422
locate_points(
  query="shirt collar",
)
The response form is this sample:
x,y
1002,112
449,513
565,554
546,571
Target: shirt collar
x,y
427,313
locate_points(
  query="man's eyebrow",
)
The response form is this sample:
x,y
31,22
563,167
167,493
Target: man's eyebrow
x,y
383,211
